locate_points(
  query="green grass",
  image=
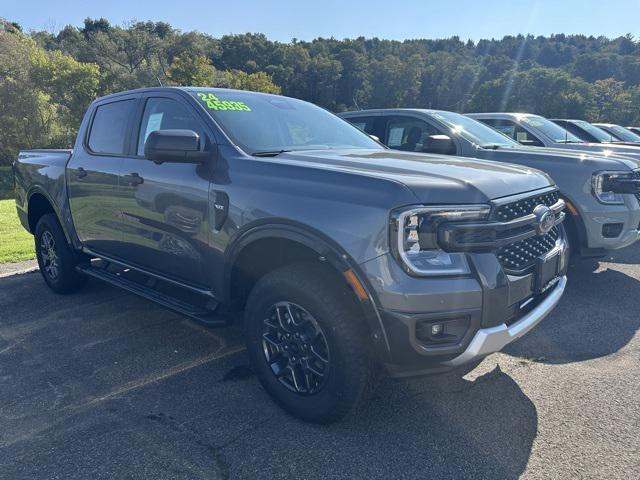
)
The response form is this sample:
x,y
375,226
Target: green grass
x,y
6,182
16,244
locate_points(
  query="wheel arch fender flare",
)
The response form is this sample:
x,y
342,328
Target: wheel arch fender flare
x,y
328,251
574,217
38,190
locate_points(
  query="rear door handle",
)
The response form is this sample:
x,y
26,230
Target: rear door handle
x,y
133,179
81,172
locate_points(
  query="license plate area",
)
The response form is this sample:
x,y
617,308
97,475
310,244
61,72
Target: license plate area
x,y
546,271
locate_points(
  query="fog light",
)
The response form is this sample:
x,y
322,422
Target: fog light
x,y
436,329
612,230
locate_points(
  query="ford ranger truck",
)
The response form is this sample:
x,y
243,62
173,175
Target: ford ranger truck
x,y
536,131
589,133
344,256
602,193
620,134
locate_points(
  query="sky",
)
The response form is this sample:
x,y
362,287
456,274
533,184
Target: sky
x,y
284,20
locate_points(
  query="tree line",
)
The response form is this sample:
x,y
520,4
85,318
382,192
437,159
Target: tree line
x,y
48,79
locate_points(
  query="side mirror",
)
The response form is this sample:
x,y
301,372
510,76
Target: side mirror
x,y
440,144
374,137
531,142
173,146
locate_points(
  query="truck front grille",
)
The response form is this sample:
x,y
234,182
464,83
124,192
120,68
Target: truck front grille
x,y
522,254
511,232
511,211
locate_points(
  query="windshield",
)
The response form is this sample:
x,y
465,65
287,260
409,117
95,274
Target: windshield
x,y
260,123
594,131
473,130
555,132
623,134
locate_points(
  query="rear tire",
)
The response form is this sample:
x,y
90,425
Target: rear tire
x,y
56,259
317,367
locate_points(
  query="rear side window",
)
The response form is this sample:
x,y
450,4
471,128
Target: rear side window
x,y
109,127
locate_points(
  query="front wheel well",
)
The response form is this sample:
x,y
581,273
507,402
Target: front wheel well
x,y
39,205
265,255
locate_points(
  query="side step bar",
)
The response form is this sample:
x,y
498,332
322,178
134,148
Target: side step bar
x,y
205,316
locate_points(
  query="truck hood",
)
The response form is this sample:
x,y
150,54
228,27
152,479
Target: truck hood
x,y
595,160
601,149
432,178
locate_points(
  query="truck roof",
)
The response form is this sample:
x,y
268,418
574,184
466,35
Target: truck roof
x,y
183,89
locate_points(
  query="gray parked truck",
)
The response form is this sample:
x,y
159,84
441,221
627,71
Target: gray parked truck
x,y
604,215
536,131
619,133
589,133
345,256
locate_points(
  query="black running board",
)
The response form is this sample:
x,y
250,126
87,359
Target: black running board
x,y
204,316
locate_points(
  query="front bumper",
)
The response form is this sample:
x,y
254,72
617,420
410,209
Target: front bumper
x,y
596,217
487,310
494,339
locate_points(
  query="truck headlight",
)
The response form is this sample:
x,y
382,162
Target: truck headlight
x,y
414,238
603,185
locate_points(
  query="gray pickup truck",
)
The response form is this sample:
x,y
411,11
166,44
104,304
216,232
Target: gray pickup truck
x,y
604,215
536,131
344,256
620,134
589,133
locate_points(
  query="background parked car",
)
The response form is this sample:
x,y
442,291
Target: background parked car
x,y
599,220
619,133
536,131
589,132
635,130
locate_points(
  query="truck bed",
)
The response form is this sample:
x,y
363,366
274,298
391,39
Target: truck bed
x,y
41,172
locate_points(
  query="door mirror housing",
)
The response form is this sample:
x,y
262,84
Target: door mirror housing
x,y
173,146
531,142
440,144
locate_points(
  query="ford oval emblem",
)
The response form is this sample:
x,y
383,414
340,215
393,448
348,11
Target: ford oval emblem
x,y
545,219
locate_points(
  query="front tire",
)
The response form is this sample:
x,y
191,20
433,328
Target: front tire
x,y
56,259
308,344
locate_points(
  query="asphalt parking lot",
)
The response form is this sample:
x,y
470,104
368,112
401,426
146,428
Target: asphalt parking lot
x,y
102,384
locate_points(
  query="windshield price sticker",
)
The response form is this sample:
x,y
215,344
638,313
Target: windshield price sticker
x,y
214,103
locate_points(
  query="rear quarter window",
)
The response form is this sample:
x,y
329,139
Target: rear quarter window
x,y
109,127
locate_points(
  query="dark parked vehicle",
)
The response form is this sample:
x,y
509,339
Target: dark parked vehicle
x,y
345,256
619,133
600,219
590,133
635,130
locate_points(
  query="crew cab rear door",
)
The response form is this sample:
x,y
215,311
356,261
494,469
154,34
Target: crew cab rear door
x,y
93,172
165,205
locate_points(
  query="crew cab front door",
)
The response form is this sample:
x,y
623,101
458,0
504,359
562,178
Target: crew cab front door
x,y
165,205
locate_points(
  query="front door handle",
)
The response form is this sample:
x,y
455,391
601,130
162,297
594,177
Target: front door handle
x,y
133,179
81,172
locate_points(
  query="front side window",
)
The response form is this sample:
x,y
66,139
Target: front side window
x,y
109,127
408,134
260,123
165,114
